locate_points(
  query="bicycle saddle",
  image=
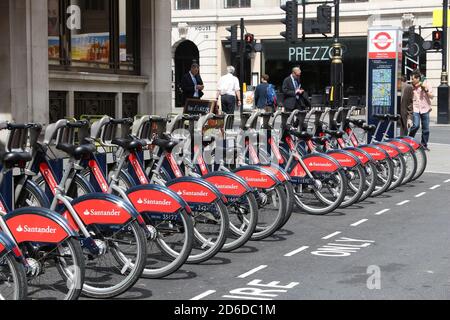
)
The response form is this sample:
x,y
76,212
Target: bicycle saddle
x,y
357,122
166,145
369,127
301,134
13,159
335,133
77,151
381,116
129,144
394,117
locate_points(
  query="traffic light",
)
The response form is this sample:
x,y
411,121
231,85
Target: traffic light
x,y
413,48
324,17
233,38
291,21
249,38
437,40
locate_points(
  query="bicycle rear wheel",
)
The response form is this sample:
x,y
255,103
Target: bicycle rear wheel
x,y
54,272
13,281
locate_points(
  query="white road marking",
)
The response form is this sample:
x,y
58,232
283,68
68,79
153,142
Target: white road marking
x,y
245,275
245,298
421,194
203,295
403,202
437,172
382,212
293,253
435,187
359,222
331,235
447,181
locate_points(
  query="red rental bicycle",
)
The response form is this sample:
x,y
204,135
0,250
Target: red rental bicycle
x,y
40,240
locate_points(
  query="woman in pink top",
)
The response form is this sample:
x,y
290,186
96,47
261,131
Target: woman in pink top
x,y
423,94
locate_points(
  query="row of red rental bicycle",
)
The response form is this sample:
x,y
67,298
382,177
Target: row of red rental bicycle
x,y
87,207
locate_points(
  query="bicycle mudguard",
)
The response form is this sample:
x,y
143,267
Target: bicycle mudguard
x,y
316,162
7,246
38,225
155,199
346,159
362,155
279,172
258,177
195,190
375,152
411,141
402,145
392,150
229,184
102,209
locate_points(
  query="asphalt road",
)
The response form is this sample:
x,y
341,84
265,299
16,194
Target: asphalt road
x,y
391,247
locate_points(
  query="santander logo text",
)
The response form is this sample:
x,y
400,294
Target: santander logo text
x,y
226,186
27,229
152,202
318,164
253,179
110,213
192,193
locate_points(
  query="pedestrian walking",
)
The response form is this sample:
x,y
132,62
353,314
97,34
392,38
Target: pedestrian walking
x,y
422,97
265,95
229,91
294,96
192,84
406,107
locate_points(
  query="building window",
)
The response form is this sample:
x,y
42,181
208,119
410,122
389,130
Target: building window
x,y
95,103
57,105
106,39
187,4
237,4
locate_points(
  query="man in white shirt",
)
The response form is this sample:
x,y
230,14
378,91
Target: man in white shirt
x,y
229,90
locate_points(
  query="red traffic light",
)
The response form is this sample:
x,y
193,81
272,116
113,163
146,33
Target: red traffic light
x,y
249,38
437,35
437,40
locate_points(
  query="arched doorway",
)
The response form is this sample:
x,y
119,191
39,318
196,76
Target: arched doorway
x,y
185,54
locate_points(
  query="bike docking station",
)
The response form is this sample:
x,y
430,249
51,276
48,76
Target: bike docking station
x,y
383,71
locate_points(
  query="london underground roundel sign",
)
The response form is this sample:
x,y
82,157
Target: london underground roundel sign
x,y
382,40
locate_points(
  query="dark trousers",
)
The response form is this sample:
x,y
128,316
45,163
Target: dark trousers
x,y
423,118
228,104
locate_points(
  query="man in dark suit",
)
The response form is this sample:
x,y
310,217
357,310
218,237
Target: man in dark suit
x,y
294,95
406,107
192,84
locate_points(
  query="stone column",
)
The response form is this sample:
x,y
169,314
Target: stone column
x,y
5,65
24,60
156,56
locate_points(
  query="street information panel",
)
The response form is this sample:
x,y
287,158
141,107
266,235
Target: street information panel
x,y
384,71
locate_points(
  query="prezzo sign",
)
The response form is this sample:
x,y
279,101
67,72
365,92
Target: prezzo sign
x,y
312,53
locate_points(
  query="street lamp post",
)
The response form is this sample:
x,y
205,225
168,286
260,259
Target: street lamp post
x,y
444,90
337,66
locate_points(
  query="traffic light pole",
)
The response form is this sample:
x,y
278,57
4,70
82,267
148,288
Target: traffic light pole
x,y
337,66
444,90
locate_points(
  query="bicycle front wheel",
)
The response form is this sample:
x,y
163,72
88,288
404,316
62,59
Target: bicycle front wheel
x,y
325,196
243,214
120,262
